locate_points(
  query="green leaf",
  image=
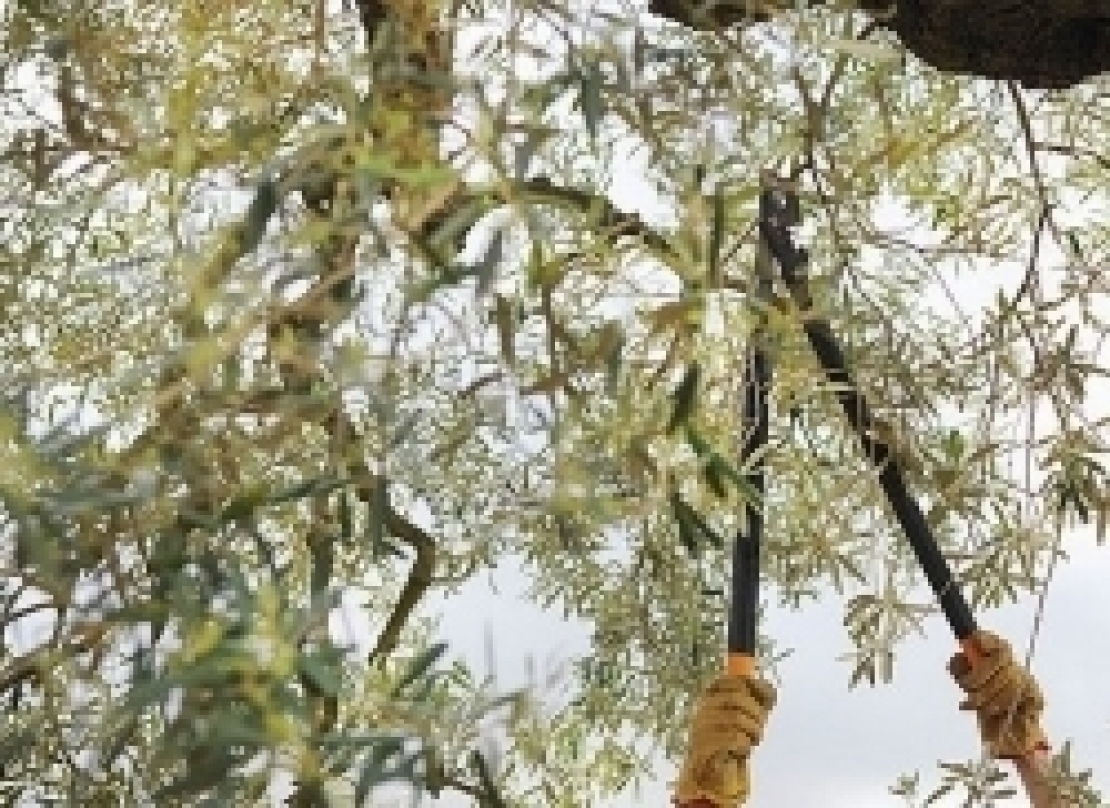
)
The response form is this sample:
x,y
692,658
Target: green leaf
x,y
738,480
953,445
506,330
614,359
687,536
57,47
524,151
243,508
307,488
692,525
639,48
684,397
420,667
207,768
322,672
262,208
321,549
714,474
374,772
696,442
491,796
1073,243
589,97
491,259
452,231
716,238
346,523
404,430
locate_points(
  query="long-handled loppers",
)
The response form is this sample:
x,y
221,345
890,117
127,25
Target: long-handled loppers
x,y
778,211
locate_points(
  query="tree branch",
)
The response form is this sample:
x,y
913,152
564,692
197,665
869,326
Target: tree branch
x,y
421,575
34,665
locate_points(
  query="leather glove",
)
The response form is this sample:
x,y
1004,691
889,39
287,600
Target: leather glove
x,y
727,722
1006,699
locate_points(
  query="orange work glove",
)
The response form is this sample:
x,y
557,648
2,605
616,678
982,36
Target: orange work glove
x,y
727,722
1006,699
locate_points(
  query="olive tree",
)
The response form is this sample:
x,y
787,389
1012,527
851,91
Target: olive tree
x,y
316,302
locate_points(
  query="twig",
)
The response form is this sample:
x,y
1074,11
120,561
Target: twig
x,y
34,665
420,580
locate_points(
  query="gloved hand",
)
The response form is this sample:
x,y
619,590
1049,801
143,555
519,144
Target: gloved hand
x,y
727,722
1005,697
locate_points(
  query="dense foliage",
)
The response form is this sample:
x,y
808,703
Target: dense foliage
x,y
314,301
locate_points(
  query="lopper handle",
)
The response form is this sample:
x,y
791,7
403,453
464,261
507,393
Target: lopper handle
x,y
826,347
740,664
1033,766
755,417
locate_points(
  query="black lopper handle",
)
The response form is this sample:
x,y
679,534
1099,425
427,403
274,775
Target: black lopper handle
x,y
792,260
755,414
